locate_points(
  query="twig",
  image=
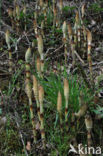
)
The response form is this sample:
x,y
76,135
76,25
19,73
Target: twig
x,y
79,57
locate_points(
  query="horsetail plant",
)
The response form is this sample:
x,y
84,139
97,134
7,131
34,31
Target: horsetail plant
x,y
66,95
59,109
28,90
41,99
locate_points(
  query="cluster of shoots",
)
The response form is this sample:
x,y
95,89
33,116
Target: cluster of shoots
x,y
77,39
14,15
80,40
59,105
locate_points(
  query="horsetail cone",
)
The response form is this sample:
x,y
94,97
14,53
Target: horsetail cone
x,y
18,12
77,18
28,88
7,38
70,32
24,10
40,46
59,102
36,94
66,95
83,10
10,12
64,28
28,55
41,3
38,66
35,86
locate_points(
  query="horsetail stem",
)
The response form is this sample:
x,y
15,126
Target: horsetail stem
x,y
73,52
28,90
70,32
45,15
55,16
66,95
35,90
89,39
38,66
24,11
41,98
7,38
10,13
42,28
35,27
64,29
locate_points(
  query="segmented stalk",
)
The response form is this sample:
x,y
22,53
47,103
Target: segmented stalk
x,y
24,11
7,38
28,90
55,16
10,13
89,39
76,27
38,66
41,98
73,52
42,28
35,27
66,95
64,29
